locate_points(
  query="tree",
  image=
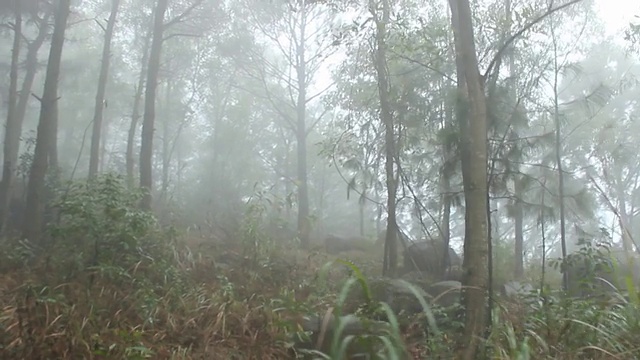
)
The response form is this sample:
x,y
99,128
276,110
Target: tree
x,y
12,117
146,148
94,159
390,246
303,51
47,128
15,117
472,118
148,123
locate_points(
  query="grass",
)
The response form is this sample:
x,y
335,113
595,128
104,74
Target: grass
x,y
193,307
112,285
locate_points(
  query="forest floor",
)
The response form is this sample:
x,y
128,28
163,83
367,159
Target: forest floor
x,y
205,300
199,299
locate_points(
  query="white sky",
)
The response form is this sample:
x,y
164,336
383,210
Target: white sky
x,y
617,14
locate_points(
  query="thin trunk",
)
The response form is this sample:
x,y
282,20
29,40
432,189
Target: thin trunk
x,y
135,116
518,218
94,159
166,155
445,189
47,130
446,220
361,208
12,121
391,244
103,145
626,229
558,150
304,222
472,115
14,128
146,147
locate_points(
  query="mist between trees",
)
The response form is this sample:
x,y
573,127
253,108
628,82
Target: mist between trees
x,y
256,179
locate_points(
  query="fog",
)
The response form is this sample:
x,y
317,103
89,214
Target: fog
x,y
298,121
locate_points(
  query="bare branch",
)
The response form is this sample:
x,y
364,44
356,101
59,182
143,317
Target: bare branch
x,y
182,16
100,24
524,29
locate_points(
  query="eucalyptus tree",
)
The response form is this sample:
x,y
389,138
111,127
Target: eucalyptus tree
x,y
299,36
12,110
141,41
102,86
160,28
472,117
18,100
45,153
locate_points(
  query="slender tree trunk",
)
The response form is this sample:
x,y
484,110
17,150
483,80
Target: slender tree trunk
x,y
519,231
12,121
391,243
304,222
47,128
14,128
446,220
445,189
473,130
558,150
146,147
361,207
94,159
104,141
135,116
166,141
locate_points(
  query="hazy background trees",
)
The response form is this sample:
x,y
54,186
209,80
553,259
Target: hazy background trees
x,y
493,124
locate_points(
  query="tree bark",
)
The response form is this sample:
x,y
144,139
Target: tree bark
x,y
146,146
166,142
135,116
10,131
518,218
391,243
558,154
94,159
304,222
47,129
473,130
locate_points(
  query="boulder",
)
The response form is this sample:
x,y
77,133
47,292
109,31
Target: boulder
x,y
336,244
429,257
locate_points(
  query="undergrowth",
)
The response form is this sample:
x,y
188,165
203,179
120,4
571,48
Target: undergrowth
x,y
110,283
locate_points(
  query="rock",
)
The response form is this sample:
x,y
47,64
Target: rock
x,y
516,288
336,244
429,257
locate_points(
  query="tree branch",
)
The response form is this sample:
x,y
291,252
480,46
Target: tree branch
x,y
513,37
184,14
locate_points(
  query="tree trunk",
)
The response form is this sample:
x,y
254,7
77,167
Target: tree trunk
x,y
166,155
12,121
558,150
304,222
391,244
146,146
473,130
135,116
446,220
518,218
47,129
104,141
94,158
445,189
13,130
